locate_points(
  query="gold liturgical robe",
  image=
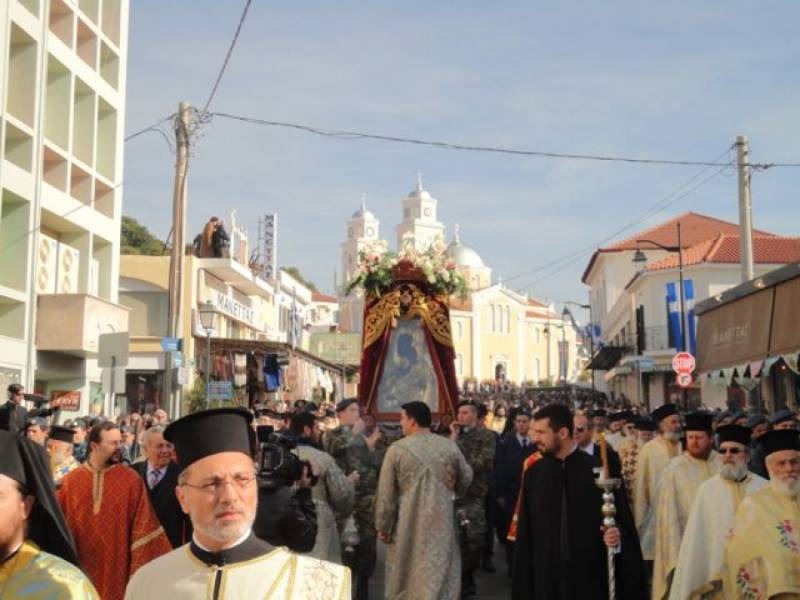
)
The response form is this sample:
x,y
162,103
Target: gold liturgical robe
x,y
677,489
35,575
698,572
762,556
251,570
653,459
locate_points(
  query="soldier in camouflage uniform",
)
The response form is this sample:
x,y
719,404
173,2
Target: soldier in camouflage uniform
x,y
478,447
357,456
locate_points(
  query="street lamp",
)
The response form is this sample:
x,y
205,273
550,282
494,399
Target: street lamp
x,y
208,313
639,259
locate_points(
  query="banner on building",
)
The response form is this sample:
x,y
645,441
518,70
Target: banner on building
x,y
674,315
269,239
688,300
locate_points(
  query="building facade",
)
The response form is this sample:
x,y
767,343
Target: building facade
x,y
637,308
62,116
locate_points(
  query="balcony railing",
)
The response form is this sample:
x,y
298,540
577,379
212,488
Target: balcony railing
x,y
657,338
72,323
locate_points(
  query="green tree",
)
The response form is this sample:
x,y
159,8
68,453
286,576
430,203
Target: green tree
x,y
137,239
295,272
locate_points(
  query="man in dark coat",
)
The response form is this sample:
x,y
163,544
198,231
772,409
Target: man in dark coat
x,y
160,476
514,448
584,436
13,414
561,547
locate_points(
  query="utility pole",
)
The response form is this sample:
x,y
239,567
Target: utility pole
x,y
745,211
183,122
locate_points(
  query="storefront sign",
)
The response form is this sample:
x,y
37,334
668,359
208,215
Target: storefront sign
x,y
785,332
220,390
65,400
235,309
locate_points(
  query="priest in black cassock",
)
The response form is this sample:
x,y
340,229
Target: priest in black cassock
x,y
560,552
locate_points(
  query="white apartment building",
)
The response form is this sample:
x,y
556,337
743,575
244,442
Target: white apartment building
x,y
62,117
629,302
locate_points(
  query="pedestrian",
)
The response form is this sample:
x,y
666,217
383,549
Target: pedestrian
x,y
79,443
108,511
514,449
643,431
221,241
414,512
37,552
653,459
679,482
13,414
333,494
560,550
478,446
217,487
60,448
760,559
699,565
206,249
584,436
36,430
160,476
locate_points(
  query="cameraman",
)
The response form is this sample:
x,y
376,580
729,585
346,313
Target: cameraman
x,y
335,494
286,515
14,416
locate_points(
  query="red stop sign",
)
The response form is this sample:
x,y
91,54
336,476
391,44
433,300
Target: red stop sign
x,y
683,362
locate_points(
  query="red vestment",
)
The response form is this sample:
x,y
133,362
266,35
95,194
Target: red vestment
x,y
512,528
113,523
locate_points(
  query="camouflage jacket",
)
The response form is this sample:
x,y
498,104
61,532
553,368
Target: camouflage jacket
x,y
478,447
335,443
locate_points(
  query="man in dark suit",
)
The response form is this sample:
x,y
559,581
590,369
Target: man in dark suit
x,y
160,476
583,433
514,448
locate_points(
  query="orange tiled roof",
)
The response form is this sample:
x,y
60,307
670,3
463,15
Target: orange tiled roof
x,y
724,248
319,297
695,229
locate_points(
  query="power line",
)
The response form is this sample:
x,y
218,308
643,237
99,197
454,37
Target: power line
x,y
153,127
227,58
660,205
576,256
355,135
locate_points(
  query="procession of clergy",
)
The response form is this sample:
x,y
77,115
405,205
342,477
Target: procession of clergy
x,y
707,507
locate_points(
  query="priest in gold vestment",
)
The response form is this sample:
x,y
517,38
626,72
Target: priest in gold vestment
x,y
679,484
762,555
653,459
414,511
217,487
698,573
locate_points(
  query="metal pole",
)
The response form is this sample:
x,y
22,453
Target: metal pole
x,y
684,393
182,126
745,209
208,368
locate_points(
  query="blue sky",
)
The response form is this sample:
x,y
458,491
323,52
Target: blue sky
x,y
676,80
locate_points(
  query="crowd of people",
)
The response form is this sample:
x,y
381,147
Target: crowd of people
x,y
707,504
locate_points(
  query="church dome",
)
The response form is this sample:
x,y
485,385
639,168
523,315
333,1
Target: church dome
x,y
465,256
363,213
419,191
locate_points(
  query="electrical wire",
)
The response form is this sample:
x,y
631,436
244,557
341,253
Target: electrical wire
x,y
235,39
153,127
655,208
575,257
355,135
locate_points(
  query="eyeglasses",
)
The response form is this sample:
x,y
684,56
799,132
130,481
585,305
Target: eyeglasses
x,y
215,486
730,450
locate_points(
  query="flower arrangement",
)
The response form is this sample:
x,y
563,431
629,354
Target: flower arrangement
x,y
375,270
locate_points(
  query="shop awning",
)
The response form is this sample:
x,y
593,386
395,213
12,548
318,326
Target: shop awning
x,y
750,322
279,348
607,357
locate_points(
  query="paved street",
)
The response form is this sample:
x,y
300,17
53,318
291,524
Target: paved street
x,y
490,587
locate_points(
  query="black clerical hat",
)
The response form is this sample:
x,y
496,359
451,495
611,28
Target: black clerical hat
x,y
61,434
344,404
617,416
27,463
780,439
208,432
699,421
644,424
780,417
597,412
664,411
734,433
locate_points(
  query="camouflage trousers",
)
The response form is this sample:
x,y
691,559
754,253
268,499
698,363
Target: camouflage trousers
x,y
472,535
363,559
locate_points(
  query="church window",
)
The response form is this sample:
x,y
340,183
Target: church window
x,y
536,375
508,319
459,364
459,330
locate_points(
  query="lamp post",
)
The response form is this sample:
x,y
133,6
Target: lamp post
x,y
640,259
208,312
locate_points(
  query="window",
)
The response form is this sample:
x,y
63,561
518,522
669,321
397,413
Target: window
x,y
508,319
536,375
459,364
459,330
537,339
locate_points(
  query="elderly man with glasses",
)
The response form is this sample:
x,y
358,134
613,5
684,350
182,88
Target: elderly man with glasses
x,y
217,488
699,566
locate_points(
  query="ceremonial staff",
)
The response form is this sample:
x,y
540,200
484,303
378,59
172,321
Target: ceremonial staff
x,y
608,485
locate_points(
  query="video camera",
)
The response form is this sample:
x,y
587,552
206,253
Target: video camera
x,y
277,464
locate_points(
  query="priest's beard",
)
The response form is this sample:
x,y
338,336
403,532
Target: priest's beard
x,y
672,436
789,488
225,532
734,471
